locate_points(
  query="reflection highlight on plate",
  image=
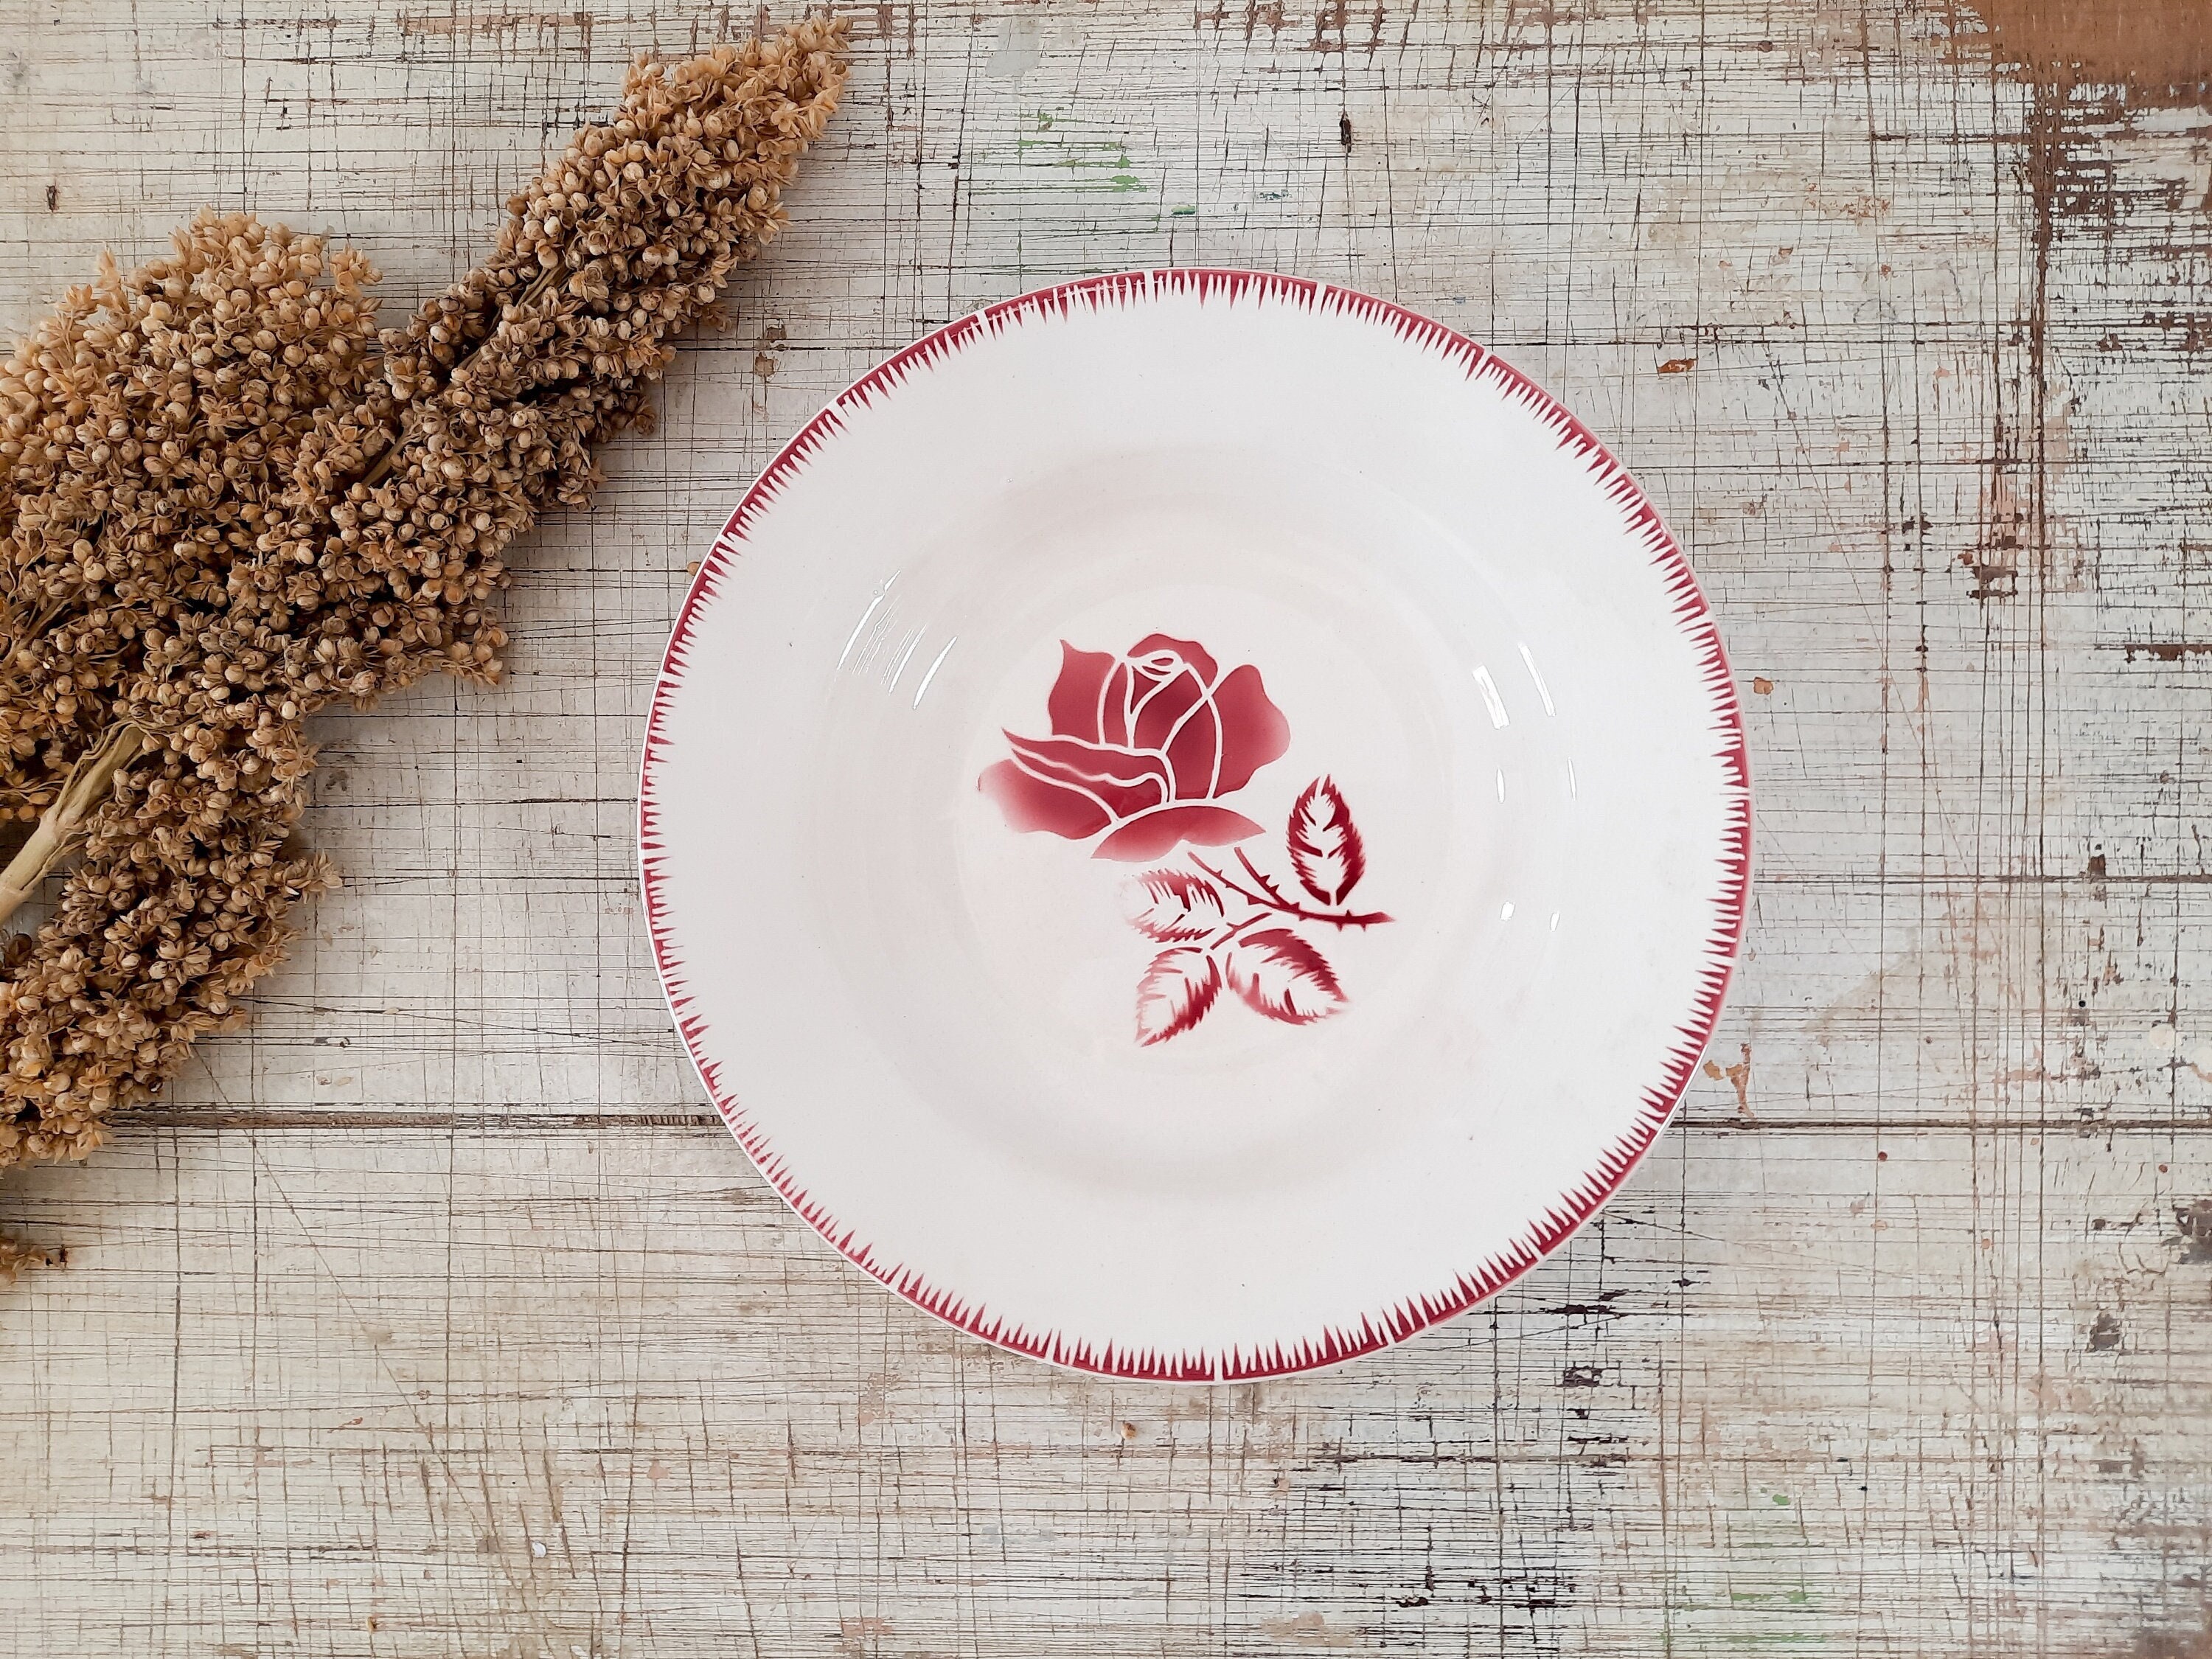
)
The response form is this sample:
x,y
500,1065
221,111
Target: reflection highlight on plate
x,y
867,643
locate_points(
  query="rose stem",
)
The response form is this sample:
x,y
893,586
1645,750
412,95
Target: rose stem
x,y
1342,919
1230,932
1265,886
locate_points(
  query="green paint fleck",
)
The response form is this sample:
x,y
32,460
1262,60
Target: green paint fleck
x,y
1092,158
1781,1500
1183,213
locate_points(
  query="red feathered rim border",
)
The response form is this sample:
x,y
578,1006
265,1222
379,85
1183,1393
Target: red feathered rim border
x,y
1692,615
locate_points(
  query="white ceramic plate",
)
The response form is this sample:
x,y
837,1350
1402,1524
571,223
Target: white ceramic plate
x,y
1195,823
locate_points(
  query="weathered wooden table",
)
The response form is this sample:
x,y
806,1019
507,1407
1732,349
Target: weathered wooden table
x,y
439,1315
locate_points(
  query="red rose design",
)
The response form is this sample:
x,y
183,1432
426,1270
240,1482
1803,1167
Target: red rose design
x,y
1142,744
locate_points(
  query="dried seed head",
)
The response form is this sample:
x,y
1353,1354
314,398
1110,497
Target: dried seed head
x,y
226,499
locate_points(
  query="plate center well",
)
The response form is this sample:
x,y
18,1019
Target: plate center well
x,y
1173,826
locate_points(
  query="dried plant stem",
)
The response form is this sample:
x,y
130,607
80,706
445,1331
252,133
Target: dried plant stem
x,y
18,638
381,468
87,785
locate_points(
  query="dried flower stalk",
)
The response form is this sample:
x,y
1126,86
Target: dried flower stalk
x,y
87,786
226,499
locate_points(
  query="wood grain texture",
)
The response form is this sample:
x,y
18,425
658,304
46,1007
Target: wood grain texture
x,y
437,1315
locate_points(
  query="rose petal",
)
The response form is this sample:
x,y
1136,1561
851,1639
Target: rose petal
x,y
1114,702
1193,751
1031,804
1189,650
1161,711
1124,783
1152,833
1252,730
1074,702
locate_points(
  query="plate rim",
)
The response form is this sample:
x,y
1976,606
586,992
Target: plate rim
x,y
1691,614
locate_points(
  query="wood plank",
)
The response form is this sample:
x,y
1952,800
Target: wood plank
x,y
1898,1346
597,1389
